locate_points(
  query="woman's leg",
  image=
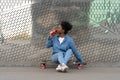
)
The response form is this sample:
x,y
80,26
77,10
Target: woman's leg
x,y
67,55
55,58
62,58
58,57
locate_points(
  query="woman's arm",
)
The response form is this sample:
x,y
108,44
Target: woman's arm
x,y
49,42
75,51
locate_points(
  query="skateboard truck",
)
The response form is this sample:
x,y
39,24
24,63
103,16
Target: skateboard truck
x,y
79,65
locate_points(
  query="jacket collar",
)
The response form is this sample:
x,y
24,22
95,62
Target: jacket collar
x,y
65,38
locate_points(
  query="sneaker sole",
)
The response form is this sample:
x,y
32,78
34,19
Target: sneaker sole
x,y
62,70
65,70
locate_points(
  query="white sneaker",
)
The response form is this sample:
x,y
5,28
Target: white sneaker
x,y
64,67
59,68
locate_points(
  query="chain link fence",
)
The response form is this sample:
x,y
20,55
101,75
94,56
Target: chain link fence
x,y
24,28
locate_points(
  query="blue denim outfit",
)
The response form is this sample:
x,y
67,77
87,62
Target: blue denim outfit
x,y
62,52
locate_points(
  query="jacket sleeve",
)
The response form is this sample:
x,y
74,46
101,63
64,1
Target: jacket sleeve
x,y
75,51
49,42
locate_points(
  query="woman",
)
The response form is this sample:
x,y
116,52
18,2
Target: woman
x,y
63,46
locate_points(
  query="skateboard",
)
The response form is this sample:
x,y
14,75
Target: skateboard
x,y
71,64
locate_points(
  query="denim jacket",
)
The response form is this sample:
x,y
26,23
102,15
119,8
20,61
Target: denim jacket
x,y
68,43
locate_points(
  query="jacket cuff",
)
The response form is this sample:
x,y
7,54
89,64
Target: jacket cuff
x,y
49,37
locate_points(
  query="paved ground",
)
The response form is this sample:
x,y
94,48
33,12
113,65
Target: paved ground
x,y
35,73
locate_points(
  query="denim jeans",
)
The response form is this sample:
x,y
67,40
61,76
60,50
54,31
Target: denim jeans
x,y
62,57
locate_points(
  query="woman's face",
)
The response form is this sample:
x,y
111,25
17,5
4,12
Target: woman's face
x,y
59,29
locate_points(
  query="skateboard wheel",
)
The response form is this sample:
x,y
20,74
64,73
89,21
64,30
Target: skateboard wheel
x,y
43,66
79,67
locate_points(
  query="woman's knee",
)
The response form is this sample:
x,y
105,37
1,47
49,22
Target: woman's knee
x,y
70,51
54,58
60,54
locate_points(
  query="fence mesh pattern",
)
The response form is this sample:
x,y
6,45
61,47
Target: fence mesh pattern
x,y
25,26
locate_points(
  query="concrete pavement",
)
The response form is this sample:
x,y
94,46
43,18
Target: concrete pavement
x,y
35,73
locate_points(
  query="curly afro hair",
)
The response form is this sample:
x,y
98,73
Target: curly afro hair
x,y
66,26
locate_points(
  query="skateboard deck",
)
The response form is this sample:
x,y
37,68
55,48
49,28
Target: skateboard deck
x,y
72,64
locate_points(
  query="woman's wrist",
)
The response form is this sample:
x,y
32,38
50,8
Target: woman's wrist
x,y
49,37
